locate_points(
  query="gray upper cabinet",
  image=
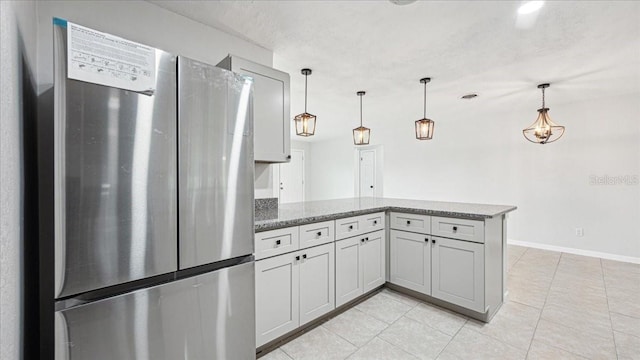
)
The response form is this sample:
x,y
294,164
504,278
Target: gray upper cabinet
x,y
271,109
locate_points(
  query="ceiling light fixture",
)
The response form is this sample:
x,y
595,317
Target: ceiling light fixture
x,y
424,126
529,7
305,122
543,130
361,134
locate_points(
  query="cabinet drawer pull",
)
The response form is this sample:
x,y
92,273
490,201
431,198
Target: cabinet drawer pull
x,y
375,222
408,222
455,228
304,256
319,233
367,239
433,241
362,240
298,258
278,242
426,239
350,227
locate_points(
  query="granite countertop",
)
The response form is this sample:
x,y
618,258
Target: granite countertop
x,y
315,211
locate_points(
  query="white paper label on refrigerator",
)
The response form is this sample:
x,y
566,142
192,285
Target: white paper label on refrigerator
x,y
108,60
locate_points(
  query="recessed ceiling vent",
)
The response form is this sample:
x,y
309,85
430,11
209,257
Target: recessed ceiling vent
x,y
469,96
402,2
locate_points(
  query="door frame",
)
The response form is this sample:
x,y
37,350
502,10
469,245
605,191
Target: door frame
x,y
379,154
277,177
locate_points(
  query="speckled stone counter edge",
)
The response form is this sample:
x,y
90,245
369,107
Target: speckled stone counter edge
x,y
266,204
265,226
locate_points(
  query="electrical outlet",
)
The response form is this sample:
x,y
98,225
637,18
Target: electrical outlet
x,y
579,232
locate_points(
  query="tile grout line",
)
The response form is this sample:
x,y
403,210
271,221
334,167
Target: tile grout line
x,y
613,334
376,335
543,305
452,337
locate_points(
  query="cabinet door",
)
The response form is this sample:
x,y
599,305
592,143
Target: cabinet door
x,y
317,282
277,302
411,261
372,259
348,276
458,273
271,117
271,108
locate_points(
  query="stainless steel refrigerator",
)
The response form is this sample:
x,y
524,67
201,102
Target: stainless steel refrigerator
x,y
153,214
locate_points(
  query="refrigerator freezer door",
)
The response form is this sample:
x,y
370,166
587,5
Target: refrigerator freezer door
x,y
210,316
215,164
115,178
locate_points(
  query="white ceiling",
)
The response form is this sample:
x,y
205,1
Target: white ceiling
x,y
585,49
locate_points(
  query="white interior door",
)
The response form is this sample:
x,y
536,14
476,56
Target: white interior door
x,y
292,178
367,173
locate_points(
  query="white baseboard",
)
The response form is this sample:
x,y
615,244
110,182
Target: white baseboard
x,y
602,255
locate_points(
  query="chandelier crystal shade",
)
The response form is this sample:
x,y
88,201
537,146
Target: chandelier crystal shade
x,y
361,134
424,126
305,122
543,130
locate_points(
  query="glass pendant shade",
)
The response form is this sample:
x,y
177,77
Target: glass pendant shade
x,y
543,130
424,129
424,126
305,124
361,135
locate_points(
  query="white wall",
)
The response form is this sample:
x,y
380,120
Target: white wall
x,y
482,157
17,44
143,22
267,176
331,169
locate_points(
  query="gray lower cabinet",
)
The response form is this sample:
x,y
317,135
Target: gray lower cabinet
x,y
446,269
271,109
293,289
373,261
411,261
317,282
277,301
360,265
458,273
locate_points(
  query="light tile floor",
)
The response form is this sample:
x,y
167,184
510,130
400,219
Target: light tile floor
x,y
560,306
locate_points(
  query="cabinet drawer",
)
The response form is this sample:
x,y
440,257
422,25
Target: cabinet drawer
x,y
411,222
470,230
316,234
372,222
348,227
276,242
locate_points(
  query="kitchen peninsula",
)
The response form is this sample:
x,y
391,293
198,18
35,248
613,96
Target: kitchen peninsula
x,y
315,259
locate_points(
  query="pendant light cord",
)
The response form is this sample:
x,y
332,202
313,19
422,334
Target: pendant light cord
x,y
425,101
360,110
543,97
305,92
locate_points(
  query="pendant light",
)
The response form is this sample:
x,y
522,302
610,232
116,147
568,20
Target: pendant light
x,y
305,122
424,126
361,134
543,130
